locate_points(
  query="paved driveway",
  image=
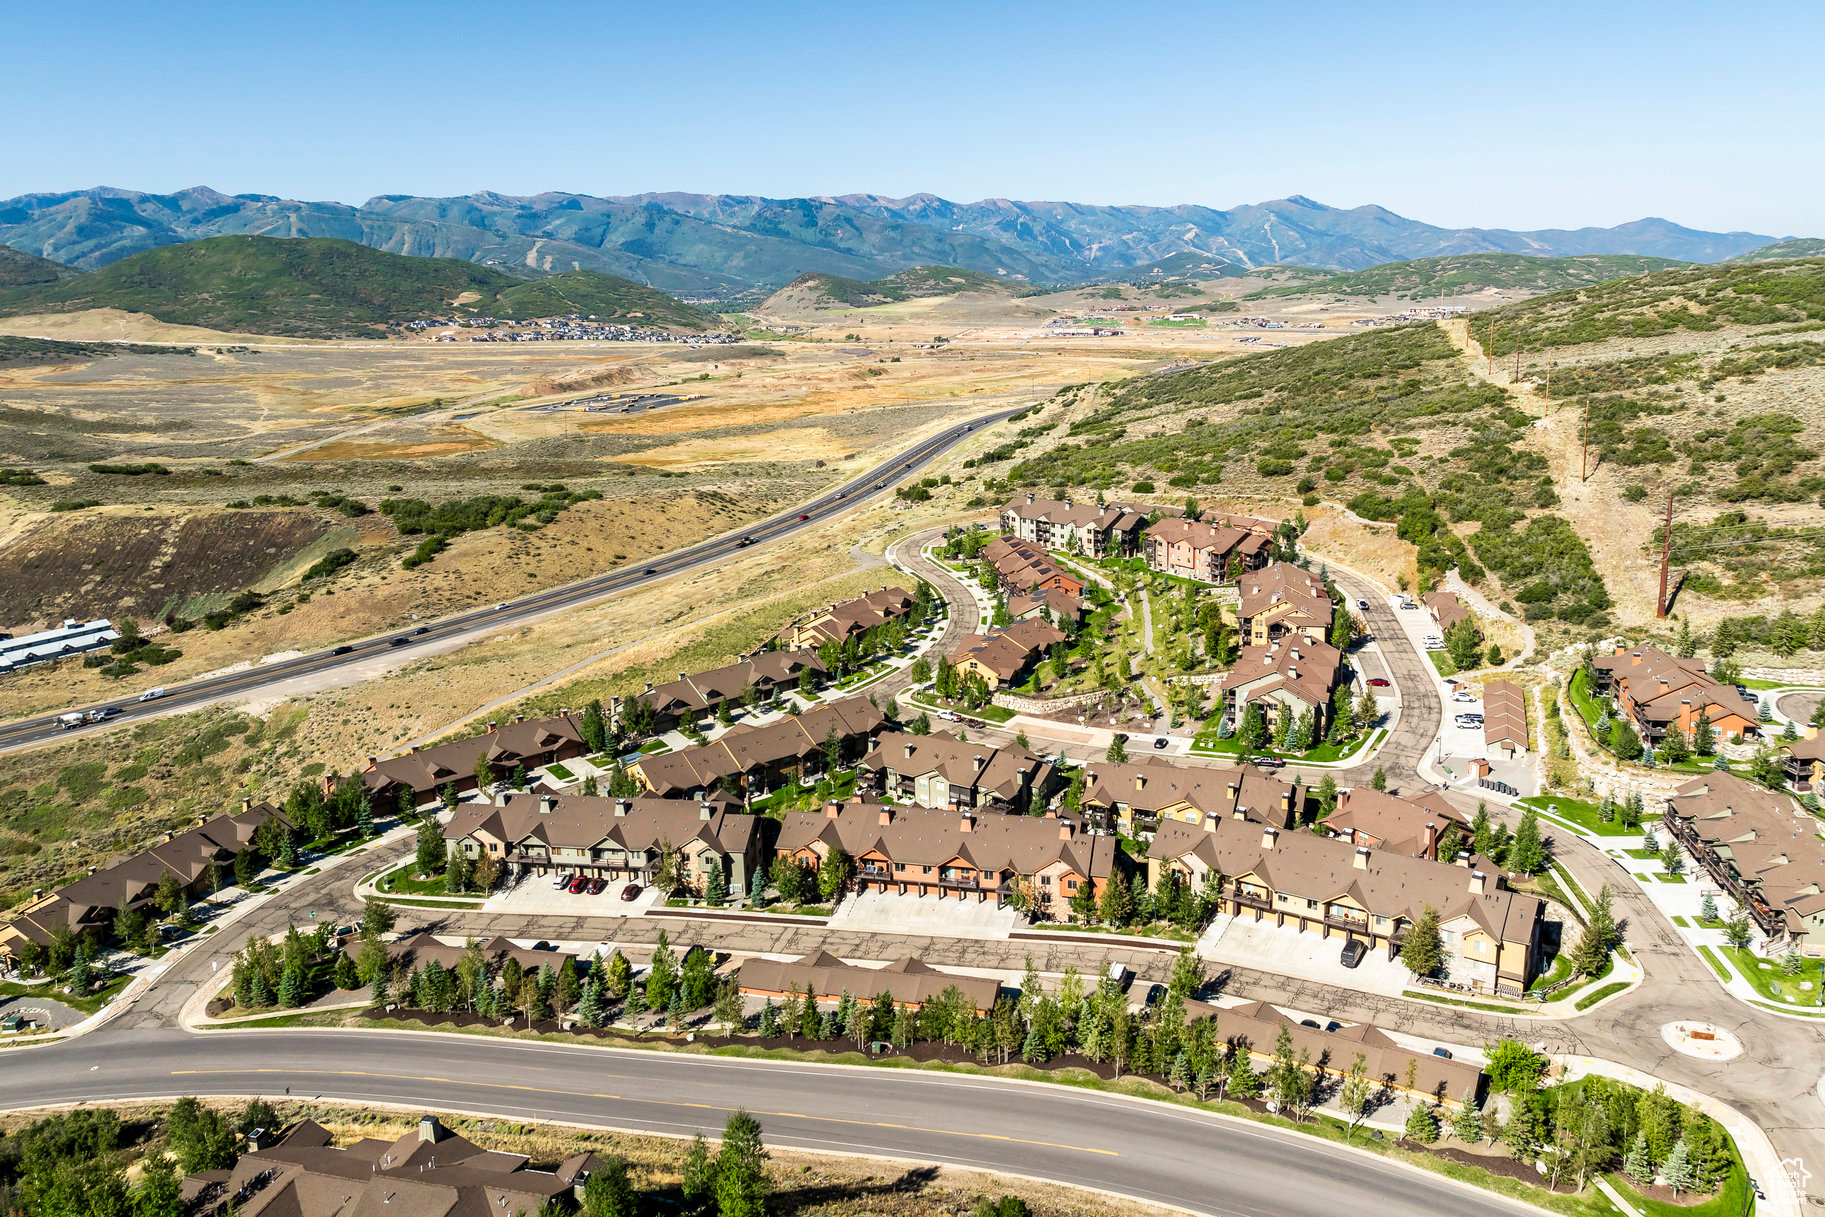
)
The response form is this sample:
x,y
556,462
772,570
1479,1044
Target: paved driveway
x,y
1265,947
892,913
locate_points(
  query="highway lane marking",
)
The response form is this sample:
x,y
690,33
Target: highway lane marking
x,y
587,1094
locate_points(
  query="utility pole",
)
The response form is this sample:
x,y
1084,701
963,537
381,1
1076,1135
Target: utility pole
x,y
1666,557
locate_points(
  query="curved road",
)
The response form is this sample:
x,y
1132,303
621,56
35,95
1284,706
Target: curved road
x,y
832,503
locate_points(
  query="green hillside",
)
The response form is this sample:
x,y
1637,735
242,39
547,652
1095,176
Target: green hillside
x,y
911,284
605,297
1426,277
18,268
24,352
314,288
1793,247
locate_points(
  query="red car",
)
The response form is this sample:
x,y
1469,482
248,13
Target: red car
x,y
1378,683
630,891
576,885
804,517
597,886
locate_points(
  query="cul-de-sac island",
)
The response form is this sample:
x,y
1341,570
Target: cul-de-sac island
x,y
565,705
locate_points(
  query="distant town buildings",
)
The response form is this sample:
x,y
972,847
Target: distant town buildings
x,y
71,638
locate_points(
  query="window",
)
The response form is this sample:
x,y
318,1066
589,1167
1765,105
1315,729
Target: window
x,y
899,868
1311,904
928,870
1070,885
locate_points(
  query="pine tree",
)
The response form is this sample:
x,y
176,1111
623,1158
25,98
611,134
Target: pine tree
x,y
1423,952
1527,853
590,1011
1481,834
1468,1124
1244,1082
1707,907
346,975
1635,1163
1677,1169
1422,1124
1791,963
698,1171
741,1183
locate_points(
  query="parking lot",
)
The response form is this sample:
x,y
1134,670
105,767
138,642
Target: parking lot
x,y
1284,949
535,894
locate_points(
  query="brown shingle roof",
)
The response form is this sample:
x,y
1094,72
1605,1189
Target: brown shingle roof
x,y
746,747
1147,785
910,981
995,769
1504,714
427,769
581,821
1398,824
933,836
1772,843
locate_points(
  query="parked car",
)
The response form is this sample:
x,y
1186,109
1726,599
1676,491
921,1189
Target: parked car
x,y
1464,697
1267,762
630,891
577,884
152,694
1353,953
598,885
1377,682
1435,644
1442,1052
1153,996
1159,742
561,881
1118,972
1408,604
1362,604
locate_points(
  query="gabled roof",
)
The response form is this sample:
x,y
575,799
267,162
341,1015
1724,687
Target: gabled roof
x,y
1283,584
1399,824
907,979
746,746
1766,836
1385,1061
1504,714
579,821
929,836
1662,684
1446,608
426,769
998,770
1148,786
1306,670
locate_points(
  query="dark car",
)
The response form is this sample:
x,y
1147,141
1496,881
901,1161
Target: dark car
x,y
1377,682
1353,953
399,641
630,891
651,570
1159,742
744,543
342,650
1153,996
597,886
1444,1052
423,629
1267,762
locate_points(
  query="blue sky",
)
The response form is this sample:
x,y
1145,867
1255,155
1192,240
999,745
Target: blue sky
x,y
1519,116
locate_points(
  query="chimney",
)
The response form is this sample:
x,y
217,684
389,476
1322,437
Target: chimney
x,y
966,823
1362,857
909,751
1140,781
519,718
246,804
1064,830
681,676
429,1129
705,811
493,727
501,797
622,807
886,816
1286,799
167,838
1462,859
547,804
832,809
374,760
1268,835
1479,883
649,686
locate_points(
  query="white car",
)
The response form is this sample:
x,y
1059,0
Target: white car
x,y
561,881
1362,604
152,694
1464,697
1435,643
1408,604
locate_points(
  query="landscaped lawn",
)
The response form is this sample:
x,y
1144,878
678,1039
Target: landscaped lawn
x,y
1580,815
1666,878
1442,661
1210,745
52,991
1717,965
1771,982
559,771
399,881
1592,998
1644,853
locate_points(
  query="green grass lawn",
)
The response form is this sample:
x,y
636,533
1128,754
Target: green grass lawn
x,y
1442,661
1210,745
1592,998
88,1003
1666,878
1717,965
1681,921
399,881
560,772
1768,979
1578,814
1645,854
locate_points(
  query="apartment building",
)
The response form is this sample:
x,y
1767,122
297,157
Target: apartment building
x,y
1504,718
1659,691
1046,604
1327,886
1412,827
613,839
754,758
1135,797
1021,568
1446,610
1092,529
1803,761
1289,676
417,950
1282,599
848,619
692,698
963,854
1206,551
423,773
907,981
1762,848
941,770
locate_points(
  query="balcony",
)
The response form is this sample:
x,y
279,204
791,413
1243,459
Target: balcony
x,y
1252,902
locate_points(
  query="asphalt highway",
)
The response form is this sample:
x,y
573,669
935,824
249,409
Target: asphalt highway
x,y
834,502
1137,1148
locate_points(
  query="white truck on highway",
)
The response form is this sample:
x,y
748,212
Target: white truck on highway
x,y
71,721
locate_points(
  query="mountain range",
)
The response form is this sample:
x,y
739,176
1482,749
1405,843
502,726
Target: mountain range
x,y
720,244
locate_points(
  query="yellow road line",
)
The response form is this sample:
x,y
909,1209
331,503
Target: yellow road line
x,y
587,1094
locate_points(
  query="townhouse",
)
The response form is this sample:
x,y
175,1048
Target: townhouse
x,y
197,858
423,773
692,698
849,619
1762,848
1096,530
1803,761
1658,692
1135,797
1021,569
416,950
753,759
907,981
1286,677
940,770
429,1172
1002,657
1046,604
1323,885
1281,599
1504,718
1256,1026
1207,552
970,855
612,839
1412,827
